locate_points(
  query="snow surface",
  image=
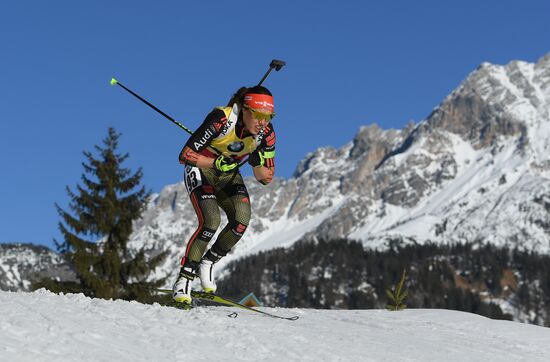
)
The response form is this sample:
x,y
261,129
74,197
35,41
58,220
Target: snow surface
x,y
47,327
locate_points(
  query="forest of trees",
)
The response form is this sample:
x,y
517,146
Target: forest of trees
x,y
343,274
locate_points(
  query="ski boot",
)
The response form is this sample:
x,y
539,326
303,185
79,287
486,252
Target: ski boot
x,y
182,286
206,271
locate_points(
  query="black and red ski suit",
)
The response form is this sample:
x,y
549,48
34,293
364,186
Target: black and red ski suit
x,y
222,131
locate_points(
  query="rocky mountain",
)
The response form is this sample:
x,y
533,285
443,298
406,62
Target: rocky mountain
x,y
20,264
477,169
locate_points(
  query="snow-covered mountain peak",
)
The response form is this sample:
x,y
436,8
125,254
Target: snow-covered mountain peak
x,y
522,88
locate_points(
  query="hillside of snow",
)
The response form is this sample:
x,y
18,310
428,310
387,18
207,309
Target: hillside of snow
x,y
42,326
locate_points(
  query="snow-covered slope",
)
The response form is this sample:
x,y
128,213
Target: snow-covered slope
x,y
47,327
476,170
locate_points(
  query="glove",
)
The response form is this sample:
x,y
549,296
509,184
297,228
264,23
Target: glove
x,y
256,158
224,164
261,158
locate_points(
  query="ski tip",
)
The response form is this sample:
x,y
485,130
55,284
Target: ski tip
x,y
114,81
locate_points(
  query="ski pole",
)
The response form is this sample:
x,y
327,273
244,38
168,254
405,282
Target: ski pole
x,y
116,82
275,64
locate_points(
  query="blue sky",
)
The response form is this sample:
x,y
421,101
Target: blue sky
x,y
349,63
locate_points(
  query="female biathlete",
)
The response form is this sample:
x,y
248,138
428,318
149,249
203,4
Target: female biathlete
x,y
211,157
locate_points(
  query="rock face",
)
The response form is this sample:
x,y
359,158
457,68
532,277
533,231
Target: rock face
x,y
476,169
21,264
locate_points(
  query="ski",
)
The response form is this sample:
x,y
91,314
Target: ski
x,y
184,306
222,300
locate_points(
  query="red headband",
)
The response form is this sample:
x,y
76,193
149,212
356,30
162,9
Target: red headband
x,y
259,101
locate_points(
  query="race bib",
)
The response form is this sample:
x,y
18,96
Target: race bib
x,y
192,178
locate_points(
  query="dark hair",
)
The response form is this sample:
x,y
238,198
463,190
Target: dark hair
x,y
238,97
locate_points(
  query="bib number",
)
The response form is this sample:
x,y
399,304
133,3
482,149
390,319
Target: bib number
x,y
192,178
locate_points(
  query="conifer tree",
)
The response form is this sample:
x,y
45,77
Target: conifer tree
x,y
398,295
103,208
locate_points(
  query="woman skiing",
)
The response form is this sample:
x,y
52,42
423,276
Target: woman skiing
x,y
212,178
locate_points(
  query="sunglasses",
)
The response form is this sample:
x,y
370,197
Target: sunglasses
x,y
260,115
